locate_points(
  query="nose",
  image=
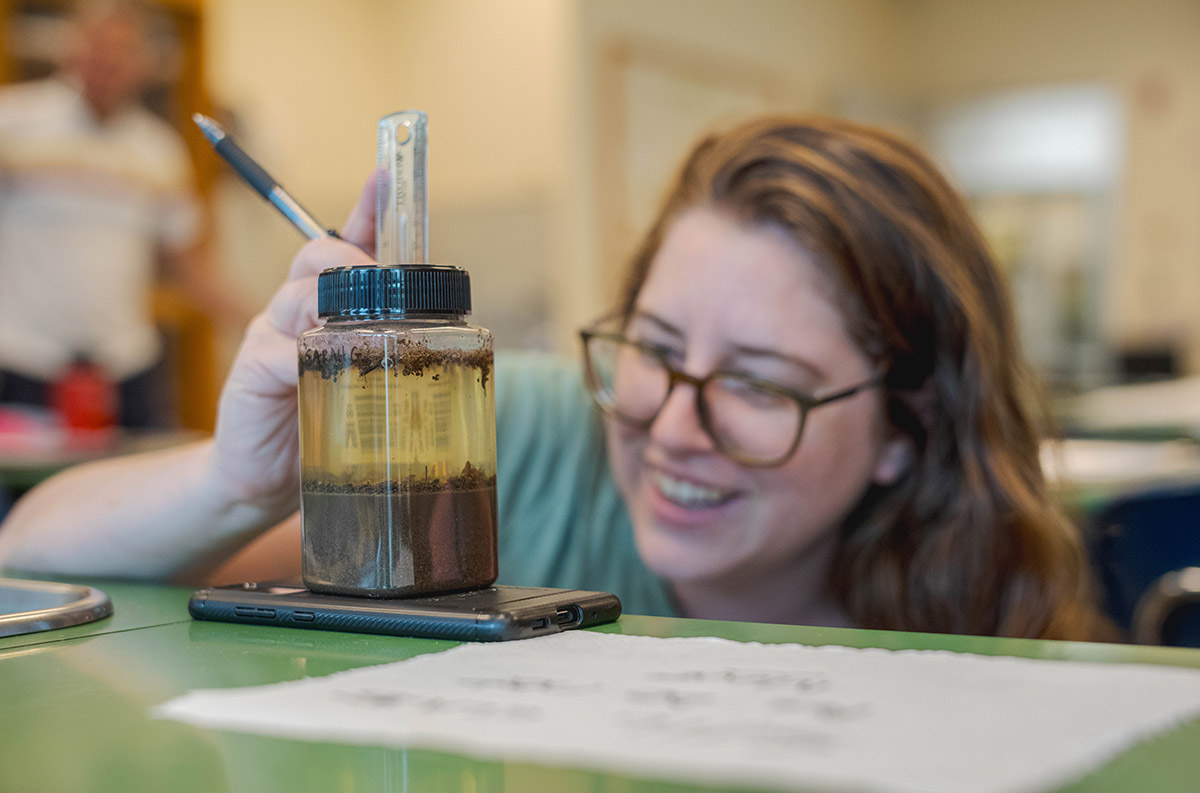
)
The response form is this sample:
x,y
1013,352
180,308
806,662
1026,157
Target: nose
x,y
677,428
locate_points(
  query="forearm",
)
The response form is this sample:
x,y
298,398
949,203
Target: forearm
x,y
183,511
152,516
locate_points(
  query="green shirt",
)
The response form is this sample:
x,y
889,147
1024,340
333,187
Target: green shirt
x,y
563,522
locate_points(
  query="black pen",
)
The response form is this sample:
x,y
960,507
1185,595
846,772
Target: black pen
x,y
260,180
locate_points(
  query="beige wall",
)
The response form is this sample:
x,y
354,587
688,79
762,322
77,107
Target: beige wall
x,y
812,50
309,81
514,90
312,78
510,91
301,78
1149,53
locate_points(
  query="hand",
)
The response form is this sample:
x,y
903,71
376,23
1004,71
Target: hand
x,y
256,450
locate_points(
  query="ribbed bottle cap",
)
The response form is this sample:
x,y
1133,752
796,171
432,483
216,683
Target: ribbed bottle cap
x,y
371,291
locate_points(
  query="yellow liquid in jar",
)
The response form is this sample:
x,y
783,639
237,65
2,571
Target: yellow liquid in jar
x,y
398,413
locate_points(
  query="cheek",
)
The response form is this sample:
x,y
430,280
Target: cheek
x,y
832,468
625,446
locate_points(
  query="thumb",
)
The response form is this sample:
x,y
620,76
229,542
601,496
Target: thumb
x,y
359,228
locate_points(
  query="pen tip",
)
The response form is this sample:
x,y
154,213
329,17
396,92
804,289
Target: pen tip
x,y
211,131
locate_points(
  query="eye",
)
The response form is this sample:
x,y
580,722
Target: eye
x,y
751,392
673,355
666,350
777,377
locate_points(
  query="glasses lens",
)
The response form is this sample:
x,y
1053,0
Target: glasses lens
x,y
752,420
626,379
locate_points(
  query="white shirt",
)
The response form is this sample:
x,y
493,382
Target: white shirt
x,y
85,207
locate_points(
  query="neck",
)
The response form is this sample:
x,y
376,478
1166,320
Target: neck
x,y
101,112
793,591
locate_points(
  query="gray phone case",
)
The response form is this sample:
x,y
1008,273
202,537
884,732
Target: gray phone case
x,y
497,613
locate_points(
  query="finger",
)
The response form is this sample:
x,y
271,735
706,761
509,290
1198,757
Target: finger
x,y
265,364
269,346
293,309
323,253
360,225
274,355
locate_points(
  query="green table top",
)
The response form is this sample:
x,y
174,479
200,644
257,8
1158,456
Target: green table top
x,y
140,606
76,706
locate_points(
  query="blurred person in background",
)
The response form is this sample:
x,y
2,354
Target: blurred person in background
x,y
96,202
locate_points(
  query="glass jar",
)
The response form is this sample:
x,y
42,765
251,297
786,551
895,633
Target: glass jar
x,y
397,435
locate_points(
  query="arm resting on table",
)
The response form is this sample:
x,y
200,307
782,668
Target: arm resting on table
x,y
155,516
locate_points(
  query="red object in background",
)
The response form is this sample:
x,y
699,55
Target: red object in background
x,y
84,397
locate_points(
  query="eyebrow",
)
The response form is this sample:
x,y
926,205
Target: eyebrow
x,y
654,319
744,350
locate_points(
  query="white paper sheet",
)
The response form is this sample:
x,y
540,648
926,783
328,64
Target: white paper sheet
x,y
717,712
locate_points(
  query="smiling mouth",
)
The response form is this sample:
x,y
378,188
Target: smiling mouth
x,y
690,495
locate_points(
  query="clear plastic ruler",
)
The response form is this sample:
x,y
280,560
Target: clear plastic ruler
x,y
401,220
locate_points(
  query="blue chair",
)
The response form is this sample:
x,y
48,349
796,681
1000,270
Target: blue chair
x,y
1146,548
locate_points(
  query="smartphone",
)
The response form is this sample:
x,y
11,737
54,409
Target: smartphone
x,y
493,614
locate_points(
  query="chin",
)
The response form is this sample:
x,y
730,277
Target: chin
x,y
678,559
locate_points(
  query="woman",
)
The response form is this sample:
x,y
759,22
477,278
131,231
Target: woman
x,y
833,260
815,411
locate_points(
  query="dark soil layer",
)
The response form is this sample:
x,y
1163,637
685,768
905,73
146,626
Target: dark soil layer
x,y
399,542
410,359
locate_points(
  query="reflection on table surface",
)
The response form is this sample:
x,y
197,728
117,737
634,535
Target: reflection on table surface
x,y
1155,410
76,706
33,445
1123,439
1097,462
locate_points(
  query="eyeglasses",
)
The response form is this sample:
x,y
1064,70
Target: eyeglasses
x,y
754,422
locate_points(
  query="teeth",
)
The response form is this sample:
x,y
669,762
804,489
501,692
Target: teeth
x,y
687,494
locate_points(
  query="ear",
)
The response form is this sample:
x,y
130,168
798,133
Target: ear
x,y
899,451
895,458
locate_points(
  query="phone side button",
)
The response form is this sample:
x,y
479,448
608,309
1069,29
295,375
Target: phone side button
x,y
254,611
302,616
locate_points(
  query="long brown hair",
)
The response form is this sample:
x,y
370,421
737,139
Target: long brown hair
x,y
968,540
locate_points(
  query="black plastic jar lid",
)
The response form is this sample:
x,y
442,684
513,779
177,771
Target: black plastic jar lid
x,y
373,291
